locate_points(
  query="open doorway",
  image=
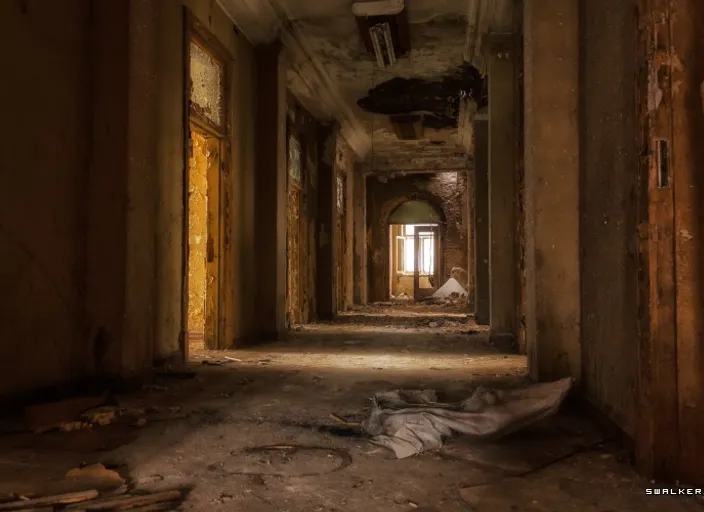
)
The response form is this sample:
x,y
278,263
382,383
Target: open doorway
x,y
206,139
203,216
414,260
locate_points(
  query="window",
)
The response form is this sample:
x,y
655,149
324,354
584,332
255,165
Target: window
x,y
207,85
406,250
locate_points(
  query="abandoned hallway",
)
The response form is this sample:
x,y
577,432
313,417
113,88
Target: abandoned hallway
x,y
352,255
254,429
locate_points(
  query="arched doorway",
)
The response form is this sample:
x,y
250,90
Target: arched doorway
x,y
415,250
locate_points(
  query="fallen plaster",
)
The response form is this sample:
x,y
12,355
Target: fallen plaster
x,y
451,288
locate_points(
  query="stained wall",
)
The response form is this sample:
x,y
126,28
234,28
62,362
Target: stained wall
x,y
44,167
91,262
302,218
609,172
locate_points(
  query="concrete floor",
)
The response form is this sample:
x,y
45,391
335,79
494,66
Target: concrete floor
x,y
209,433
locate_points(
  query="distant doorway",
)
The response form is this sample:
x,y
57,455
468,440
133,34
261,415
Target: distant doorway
x,y
414,260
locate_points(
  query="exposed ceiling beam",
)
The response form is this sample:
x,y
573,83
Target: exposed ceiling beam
x,y
402,172
418,163
256,19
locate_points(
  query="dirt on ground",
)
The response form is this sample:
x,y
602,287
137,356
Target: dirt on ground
x,y
263,429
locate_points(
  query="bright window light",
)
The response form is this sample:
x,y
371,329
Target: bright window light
x,y
406,249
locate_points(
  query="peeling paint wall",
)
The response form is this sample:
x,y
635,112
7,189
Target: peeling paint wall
x,y
199,163
302,218
448,192
343,234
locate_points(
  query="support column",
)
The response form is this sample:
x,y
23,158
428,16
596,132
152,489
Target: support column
x,y
351,179
359,211
481,223
551,70
325,286
500,55
270,197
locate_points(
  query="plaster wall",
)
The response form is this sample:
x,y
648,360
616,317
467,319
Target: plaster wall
x,y
92,202
609,172
44,162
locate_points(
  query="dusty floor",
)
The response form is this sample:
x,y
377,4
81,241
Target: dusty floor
x,y
252,431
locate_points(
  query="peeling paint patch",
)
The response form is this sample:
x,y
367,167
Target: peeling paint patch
x,y
654,92
686,235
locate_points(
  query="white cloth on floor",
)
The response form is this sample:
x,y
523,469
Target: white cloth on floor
x,y
411,421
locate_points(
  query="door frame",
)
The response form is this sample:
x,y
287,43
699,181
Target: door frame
x,y
195,31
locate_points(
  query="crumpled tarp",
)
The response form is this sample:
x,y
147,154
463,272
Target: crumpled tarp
x,y
412,421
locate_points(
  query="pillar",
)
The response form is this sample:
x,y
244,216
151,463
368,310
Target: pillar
x,y
325,283
551,74
351,178
481,223
359,211
500,55
270,193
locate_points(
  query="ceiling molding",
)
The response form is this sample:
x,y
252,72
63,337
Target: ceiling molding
x,y
324,91
263,21
258,20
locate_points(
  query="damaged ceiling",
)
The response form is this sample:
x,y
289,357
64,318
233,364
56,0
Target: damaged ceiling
x,y
412,106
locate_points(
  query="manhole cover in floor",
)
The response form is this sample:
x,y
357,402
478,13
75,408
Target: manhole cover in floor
x,y
287,460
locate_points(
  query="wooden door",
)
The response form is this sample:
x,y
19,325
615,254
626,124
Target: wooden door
x,y
425,284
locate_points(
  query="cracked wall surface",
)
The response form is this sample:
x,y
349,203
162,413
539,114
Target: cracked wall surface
x,y
447,192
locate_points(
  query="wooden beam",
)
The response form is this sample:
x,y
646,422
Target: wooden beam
x,y
686,29
657,431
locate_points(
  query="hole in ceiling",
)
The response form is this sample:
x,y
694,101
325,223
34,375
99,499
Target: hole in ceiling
x,y
436,102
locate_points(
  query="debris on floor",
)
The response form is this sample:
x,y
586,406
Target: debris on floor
x,y
61,414
87,413
104,489
410,422
451,288
96,476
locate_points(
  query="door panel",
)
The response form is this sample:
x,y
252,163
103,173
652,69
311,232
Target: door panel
x,y
425,284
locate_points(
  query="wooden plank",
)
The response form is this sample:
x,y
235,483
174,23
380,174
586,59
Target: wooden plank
x,y
687,27
58,499
656,437
130,502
